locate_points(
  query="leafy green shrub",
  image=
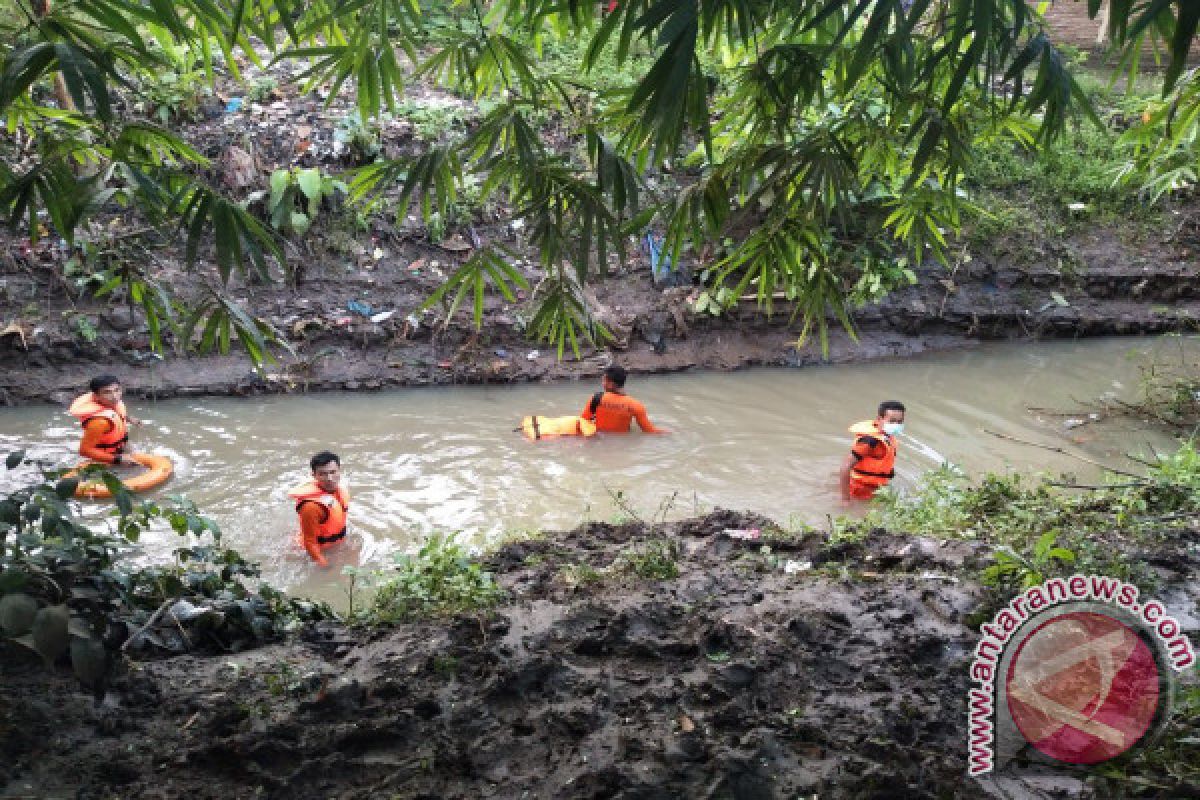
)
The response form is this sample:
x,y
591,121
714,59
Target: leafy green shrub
x,y
1042,527
1021,570
440,579
296,197
64,583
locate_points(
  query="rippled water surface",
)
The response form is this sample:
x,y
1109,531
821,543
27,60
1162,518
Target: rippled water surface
x,y
767,440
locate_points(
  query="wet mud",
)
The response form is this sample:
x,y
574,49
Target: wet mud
x,y
777,668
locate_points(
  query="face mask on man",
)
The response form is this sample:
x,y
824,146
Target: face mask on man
x,y
893,428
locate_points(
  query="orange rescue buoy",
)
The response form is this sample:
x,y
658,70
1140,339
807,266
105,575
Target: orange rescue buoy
x,y
158,469
537,427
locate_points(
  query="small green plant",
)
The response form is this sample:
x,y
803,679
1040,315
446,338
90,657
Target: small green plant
x,y
577,576
262,89
657,559
431,122
435,227
1045,559
359,580
173,92
296,197
714,302
440,579
283,679
362,140
444,665
86,328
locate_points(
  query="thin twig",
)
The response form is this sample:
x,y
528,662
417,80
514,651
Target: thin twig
x,y
619,501
1169,517
153,619
1098,488
1062,451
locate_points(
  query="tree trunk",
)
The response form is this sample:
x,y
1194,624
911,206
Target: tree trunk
x,y
41,10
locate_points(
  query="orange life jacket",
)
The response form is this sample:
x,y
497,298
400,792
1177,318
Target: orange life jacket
x,y
614,412
872,471
333,527
86,407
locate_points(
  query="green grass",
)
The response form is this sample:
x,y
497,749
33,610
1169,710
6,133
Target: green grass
x,y
1031,189
657,559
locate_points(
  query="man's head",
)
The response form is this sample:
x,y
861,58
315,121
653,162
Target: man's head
x,y
891,416
106,389
614,379
326,470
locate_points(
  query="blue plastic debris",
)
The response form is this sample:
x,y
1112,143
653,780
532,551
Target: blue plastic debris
x,y
660,265
234,105
360,308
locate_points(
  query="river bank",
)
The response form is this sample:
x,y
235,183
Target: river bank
x,y
1097,281
627,661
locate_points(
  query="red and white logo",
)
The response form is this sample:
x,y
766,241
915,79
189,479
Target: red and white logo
x,y
1083,687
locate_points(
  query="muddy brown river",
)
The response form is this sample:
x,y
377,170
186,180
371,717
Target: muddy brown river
x,y
771,441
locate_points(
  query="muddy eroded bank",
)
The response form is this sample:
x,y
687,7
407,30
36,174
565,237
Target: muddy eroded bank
x,y
1110,279
802,668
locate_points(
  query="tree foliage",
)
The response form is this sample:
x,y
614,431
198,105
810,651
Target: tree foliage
x,y
828,139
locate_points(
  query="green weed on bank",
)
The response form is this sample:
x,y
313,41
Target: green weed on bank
x,y
440,579
1042,527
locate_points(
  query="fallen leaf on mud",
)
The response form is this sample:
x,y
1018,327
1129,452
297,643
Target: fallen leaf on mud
x,y
456,244
16,329
300,327
239,170
685,724
949,284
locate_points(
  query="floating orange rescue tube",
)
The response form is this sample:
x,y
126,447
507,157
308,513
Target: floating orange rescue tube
x,y
158,469
537,427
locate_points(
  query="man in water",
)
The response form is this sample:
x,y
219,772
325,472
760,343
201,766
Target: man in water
x,y
105,421
613,410
871,462
322,505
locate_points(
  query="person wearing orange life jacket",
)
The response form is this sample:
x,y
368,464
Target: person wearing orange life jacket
x,y
322,505
105,421
871,462
612,410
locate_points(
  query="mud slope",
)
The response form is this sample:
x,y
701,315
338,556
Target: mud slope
x,y
843,674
